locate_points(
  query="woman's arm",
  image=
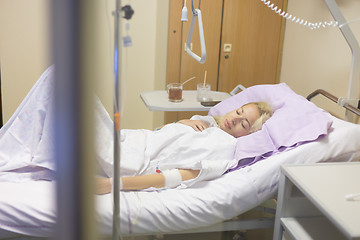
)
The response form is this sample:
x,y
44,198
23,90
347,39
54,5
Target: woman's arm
x,y
103,185
198,125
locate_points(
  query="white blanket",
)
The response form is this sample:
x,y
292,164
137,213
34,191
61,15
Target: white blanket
x,y
26,139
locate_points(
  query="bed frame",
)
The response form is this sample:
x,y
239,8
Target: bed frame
x,y
346,105
239,224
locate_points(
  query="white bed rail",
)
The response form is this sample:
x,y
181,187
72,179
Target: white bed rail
x,y
345,104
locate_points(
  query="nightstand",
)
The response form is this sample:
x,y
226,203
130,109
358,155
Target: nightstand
x,y
312,202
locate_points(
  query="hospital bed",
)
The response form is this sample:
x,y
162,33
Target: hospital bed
x,y
29,208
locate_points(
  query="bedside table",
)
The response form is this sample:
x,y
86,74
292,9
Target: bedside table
x,y
312,203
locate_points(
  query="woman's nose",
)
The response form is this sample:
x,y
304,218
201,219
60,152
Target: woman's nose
x,y
237,119
238,116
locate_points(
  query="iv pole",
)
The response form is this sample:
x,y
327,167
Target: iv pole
x,y
117,83
117,91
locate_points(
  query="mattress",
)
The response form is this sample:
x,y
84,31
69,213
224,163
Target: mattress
x,y
29,208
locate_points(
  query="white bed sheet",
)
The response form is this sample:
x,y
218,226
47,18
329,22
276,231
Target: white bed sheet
x,y
29,208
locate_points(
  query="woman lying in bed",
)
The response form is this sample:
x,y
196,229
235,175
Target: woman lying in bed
x,y
27,144
27,139
240,122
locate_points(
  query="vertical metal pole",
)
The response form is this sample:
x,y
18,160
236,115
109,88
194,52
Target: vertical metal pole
x,y
353,88
73,52
117,116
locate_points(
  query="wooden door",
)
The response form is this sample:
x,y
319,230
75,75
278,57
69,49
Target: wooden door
x,y
254,32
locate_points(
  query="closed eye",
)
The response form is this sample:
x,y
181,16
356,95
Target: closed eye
x,y
245,123
238,112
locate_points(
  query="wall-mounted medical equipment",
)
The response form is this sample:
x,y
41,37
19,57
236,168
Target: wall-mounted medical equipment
x,y
353,89
295,19
196,15
184,13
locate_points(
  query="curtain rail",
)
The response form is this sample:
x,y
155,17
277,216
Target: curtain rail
x,y
333,98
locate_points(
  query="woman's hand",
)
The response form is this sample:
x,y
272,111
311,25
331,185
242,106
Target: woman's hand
x,y
198,125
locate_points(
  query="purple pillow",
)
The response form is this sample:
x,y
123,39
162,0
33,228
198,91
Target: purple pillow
x,y
295,120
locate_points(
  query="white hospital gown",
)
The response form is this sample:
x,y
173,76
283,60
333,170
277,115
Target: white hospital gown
x,y
174,146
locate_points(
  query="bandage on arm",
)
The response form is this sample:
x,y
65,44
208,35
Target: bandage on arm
x,y
158,180
174,177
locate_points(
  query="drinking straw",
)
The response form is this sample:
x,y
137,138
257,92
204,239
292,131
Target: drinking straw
x,y
188,80
205,78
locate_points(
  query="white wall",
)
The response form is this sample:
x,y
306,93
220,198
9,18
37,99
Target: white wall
x,y
314,59
311,59
143,64
25,53
146,61
24,48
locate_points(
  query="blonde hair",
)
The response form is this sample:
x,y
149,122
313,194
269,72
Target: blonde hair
x,y
265,111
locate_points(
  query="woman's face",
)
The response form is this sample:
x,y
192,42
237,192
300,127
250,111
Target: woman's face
x,y
238,122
